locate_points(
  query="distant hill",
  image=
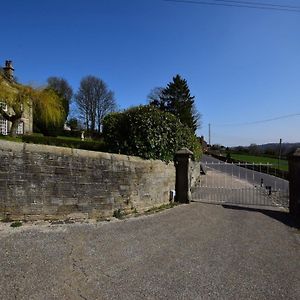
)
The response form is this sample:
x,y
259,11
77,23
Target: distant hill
x,y
271,149
286,148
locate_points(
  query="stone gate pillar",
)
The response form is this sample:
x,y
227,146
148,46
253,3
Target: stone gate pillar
x,y
183,185
294,179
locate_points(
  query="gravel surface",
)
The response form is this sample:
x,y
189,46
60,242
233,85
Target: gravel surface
x,y
196,251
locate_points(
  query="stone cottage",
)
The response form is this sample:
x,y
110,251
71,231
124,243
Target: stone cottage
x,y
25,126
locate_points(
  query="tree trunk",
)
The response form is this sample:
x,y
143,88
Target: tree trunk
x,y
14,127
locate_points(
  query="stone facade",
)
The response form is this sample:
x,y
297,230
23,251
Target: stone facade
x,y
26,125
47,182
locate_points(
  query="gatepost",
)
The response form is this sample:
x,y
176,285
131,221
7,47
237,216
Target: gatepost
x,y
294,179
183,185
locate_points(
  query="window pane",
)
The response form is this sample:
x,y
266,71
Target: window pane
x,y
3,126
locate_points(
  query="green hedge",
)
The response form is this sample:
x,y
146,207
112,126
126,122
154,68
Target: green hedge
x,y
147,132
61,142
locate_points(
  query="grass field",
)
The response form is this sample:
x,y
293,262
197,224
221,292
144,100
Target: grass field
x,y
283,164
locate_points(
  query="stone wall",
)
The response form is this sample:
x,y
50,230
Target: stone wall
x,y
46,182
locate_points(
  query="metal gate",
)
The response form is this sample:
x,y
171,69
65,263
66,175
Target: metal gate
x,y
242,184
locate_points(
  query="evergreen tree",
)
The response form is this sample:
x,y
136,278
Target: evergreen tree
x,y
176,99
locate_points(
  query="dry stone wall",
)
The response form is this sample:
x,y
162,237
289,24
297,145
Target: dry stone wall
x,y
47,182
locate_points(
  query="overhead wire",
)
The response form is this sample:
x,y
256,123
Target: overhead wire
x,y
259,121
241,4
259,3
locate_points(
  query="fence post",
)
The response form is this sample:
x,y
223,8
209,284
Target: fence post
x,y
183,184
294,179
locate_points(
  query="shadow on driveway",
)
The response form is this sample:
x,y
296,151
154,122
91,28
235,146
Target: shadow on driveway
x,y
281,216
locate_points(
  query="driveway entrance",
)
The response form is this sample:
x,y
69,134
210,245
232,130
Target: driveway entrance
x,y
195,251
242,184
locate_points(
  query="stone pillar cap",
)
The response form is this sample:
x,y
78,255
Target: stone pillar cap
x,y
185,151
296,154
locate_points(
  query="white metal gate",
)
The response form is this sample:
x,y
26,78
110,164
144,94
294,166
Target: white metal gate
x,y
229,183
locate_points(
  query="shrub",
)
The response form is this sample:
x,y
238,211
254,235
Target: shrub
x,y
147,132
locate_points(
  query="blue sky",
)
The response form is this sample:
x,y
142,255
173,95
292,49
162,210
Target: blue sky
x,y
242,65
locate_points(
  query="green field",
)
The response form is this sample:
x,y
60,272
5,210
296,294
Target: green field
x,y
283,164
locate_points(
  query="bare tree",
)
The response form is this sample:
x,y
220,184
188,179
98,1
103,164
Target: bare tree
x,y
154,96
94,101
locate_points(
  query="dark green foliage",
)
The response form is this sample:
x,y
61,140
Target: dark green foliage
x,y
16,224
228,156
73,124
50,130
72,133
148,132
176,99
118,213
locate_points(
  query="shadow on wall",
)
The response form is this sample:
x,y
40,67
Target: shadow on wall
x,y
281,216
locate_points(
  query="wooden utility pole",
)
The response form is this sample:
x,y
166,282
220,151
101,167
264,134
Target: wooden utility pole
x,y
209,134
279,156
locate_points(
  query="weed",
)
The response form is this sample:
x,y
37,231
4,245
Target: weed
x,y
118,214
160,208
16,224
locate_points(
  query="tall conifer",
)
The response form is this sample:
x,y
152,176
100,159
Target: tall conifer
x,y
176,99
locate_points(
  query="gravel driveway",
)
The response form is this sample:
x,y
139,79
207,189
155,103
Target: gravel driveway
x,y
196,251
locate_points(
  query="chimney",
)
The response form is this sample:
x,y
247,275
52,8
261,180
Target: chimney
x,y
9,70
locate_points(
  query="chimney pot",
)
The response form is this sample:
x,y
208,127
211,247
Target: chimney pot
x,y
9,70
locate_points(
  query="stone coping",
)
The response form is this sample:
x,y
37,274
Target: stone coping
x,y
295,155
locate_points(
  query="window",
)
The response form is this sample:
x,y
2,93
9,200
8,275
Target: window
x,y
3,106
3,122
20,129
3,126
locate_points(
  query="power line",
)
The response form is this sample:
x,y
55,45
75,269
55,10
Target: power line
x,y
241,4
260,121
260,3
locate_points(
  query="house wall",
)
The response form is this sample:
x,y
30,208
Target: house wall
x,y
47,182
28,112
27,120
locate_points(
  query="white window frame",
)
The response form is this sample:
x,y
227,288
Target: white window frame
x,y
3,122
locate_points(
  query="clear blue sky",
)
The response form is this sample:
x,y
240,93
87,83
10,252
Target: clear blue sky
x,y
242,65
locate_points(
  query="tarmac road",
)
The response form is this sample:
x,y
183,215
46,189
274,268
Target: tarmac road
x,y
196,251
